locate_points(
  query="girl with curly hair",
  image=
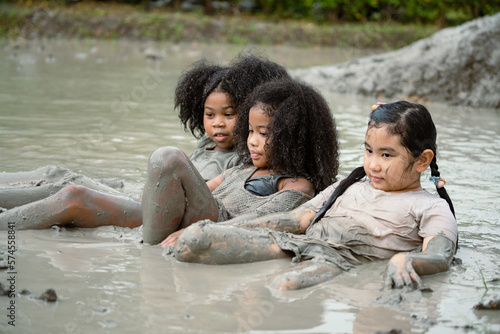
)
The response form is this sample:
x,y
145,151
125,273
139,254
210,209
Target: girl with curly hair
x,y
208,97
380,211
290,153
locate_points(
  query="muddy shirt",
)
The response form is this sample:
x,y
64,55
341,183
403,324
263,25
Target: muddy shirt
x,y
234,200
366,223
211,163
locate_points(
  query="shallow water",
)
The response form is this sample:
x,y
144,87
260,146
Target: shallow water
x,y
102,108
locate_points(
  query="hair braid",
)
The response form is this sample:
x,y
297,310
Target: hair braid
x,y
440,190
356,175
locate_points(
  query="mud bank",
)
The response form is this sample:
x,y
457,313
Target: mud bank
x,y
456,66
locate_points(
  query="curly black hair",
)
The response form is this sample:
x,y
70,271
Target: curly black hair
x,y
303,136
244,73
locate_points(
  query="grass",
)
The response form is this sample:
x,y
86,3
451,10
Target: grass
x,y
111,21
482,278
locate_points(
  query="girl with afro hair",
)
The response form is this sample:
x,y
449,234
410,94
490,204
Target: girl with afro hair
x,y
208,98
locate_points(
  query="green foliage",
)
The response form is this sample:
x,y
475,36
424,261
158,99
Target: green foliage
x,y
440,12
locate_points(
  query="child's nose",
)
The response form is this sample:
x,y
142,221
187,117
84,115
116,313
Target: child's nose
x,y
251,140
219,121
374,164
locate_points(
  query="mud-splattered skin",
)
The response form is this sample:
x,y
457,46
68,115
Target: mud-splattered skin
x,y
21,188
77,206
295,221
210,243
404,269
175,195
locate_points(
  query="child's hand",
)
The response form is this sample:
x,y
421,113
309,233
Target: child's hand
x,y
171,239
400,272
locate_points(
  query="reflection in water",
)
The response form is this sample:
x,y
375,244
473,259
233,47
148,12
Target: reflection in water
x,y
101,108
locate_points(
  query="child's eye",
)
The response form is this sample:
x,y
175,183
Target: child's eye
x,y
209,115
264,134
368,151
386,155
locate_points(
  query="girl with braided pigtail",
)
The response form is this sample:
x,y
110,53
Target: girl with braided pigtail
x,y
380,211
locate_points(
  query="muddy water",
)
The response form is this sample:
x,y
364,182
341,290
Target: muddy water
x,y
102,108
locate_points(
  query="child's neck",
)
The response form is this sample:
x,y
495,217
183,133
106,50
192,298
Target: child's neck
x,y
218,148
262,171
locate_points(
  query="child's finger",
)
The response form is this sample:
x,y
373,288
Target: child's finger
x,y
415,278
169,241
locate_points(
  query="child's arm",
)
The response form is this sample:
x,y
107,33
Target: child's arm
x,y
296,221
299,184
215,182
304,275
404,269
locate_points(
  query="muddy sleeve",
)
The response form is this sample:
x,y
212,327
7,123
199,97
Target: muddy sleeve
x,y
438,219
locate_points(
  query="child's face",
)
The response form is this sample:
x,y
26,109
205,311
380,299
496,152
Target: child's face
x,y
258,134
387,163
219,119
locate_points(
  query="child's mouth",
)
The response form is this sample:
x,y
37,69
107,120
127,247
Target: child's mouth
x,y
220,137
254,155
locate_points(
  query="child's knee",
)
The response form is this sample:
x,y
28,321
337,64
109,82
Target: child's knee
x,y
165,158
71,195
193,242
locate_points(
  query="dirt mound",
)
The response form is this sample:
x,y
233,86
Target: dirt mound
x,y
458,66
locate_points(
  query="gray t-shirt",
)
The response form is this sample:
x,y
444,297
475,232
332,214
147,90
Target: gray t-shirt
x,y
211,163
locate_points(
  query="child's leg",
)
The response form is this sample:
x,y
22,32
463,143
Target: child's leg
x,y
20,188
175,195
223,244
75,205
304,275
16,196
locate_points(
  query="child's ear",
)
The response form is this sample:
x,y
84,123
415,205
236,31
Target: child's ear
x,y
424,160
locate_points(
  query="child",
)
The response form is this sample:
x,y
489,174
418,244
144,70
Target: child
x,y
386,215
292,129
208,97
290,153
